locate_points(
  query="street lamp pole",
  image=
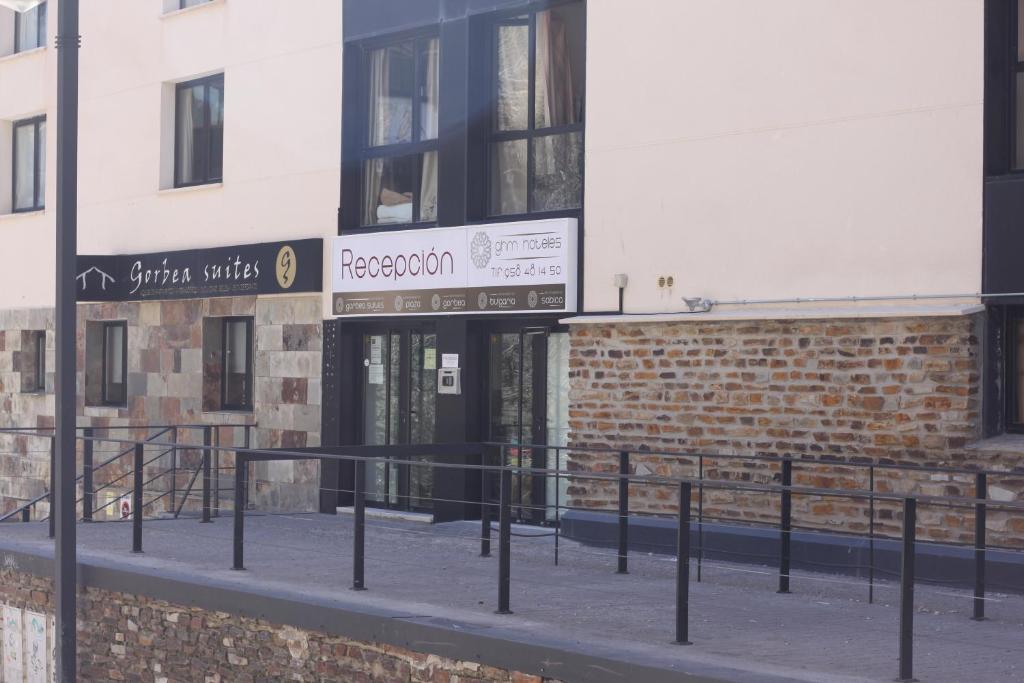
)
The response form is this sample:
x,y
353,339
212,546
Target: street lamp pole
x,y
65,561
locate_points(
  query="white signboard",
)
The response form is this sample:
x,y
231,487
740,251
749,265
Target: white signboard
x,y
13,654
528,266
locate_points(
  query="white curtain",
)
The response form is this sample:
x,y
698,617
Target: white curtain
x,y
428,105
186,135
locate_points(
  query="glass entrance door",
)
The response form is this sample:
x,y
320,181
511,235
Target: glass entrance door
x,y
399,391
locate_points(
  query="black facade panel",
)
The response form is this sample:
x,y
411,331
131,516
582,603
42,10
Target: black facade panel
x,y
1004,235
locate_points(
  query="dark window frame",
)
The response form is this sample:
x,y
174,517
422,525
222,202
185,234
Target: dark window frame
x,y
247,399
415,147
531,133
104,399
206,81
41,18
38,150
182,4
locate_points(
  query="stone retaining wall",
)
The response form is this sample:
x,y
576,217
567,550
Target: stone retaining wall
x,y
903,391
127,637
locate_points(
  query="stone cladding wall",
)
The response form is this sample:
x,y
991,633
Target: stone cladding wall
x,y
830,392
128,637
165,386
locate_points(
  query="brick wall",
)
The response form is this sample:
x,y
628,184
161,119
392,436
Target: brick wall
x,y
881,390
127,637
165,386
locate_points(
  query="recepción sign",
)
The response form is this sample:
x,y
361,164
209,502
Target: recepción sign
x,y
500,268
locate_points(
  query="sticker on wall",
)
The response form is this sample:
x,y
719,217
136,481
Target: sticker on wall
x,y
35,647
376,349
13,653
449,360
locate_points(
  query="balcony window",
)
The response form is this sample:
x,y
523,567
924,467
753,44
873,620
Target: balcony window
x,y
29,147
199,132
30,28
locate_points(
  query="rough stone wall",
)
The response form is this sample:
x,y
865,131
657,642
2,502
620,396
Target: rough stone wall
x,y
904,391
126,637
165,386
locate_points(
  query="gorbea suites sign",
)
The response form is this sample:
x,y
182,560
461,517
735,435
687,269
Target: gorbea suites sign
x,y
499,268
268,268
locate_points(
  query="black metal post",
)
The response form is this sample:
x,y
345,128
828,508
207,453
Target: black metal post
x,y
238,562
62,496
785,526
137,499
174,469
26,514
207,441
981,493
907,591
485,509
871,536
683,566
700,517
623,512
505,542
87,486
51,530
359,527
216,472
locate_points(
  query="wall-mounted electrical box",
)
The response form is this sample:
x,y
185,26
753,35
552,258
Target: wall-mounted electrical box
x,y
449,381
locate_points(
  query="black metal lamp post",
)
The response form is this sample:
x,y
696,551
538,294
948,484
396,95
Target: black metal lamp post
x,y
62,498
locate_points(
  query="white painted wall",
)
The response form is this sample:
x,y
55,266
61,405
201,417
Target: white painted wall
x,y
282,135
789,148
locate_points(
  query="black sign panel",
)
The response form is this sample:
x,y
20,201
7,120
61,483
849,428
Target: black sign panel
x,y
268,268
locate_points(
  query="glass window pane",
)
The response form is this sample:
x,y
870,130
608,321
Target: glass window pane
x,y
428,188
28,37
429,56
559,68
1019,153
508,177
391,79
1020,30
215,95
388,187
113,380
236,362
192,3
24,166
557,172
513,75
41,168
191,140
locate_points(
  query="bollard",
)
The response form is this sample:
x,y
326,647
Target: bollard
x,y
505,542
52,517
359,527
207,441
785,526
485,512
981,493
238,563
26,514
137,500
87,486
623,512
683,567
907,591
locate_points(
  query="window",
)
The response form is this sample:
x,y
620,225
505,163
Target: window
x,y
32,361
1018,90
199,132
115,363
227,363
191,3
536,143
29,147
30,28
236,378
399,172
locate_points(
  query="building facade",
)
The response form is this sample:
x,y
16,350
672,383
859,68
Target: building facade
x,y
719,226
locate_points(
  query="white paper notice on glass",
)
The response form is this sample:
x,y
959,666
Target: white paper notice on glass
x,y
375,373
376,349
449,360
36,652
429,359
13,654
53,649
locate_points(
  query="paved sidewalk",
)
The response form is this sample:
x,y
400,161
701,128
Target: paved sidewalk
x,y
823,631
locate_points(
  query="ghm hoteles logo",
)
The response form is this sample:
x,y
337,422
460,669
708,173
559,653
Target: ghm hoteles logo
x,y
480,250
